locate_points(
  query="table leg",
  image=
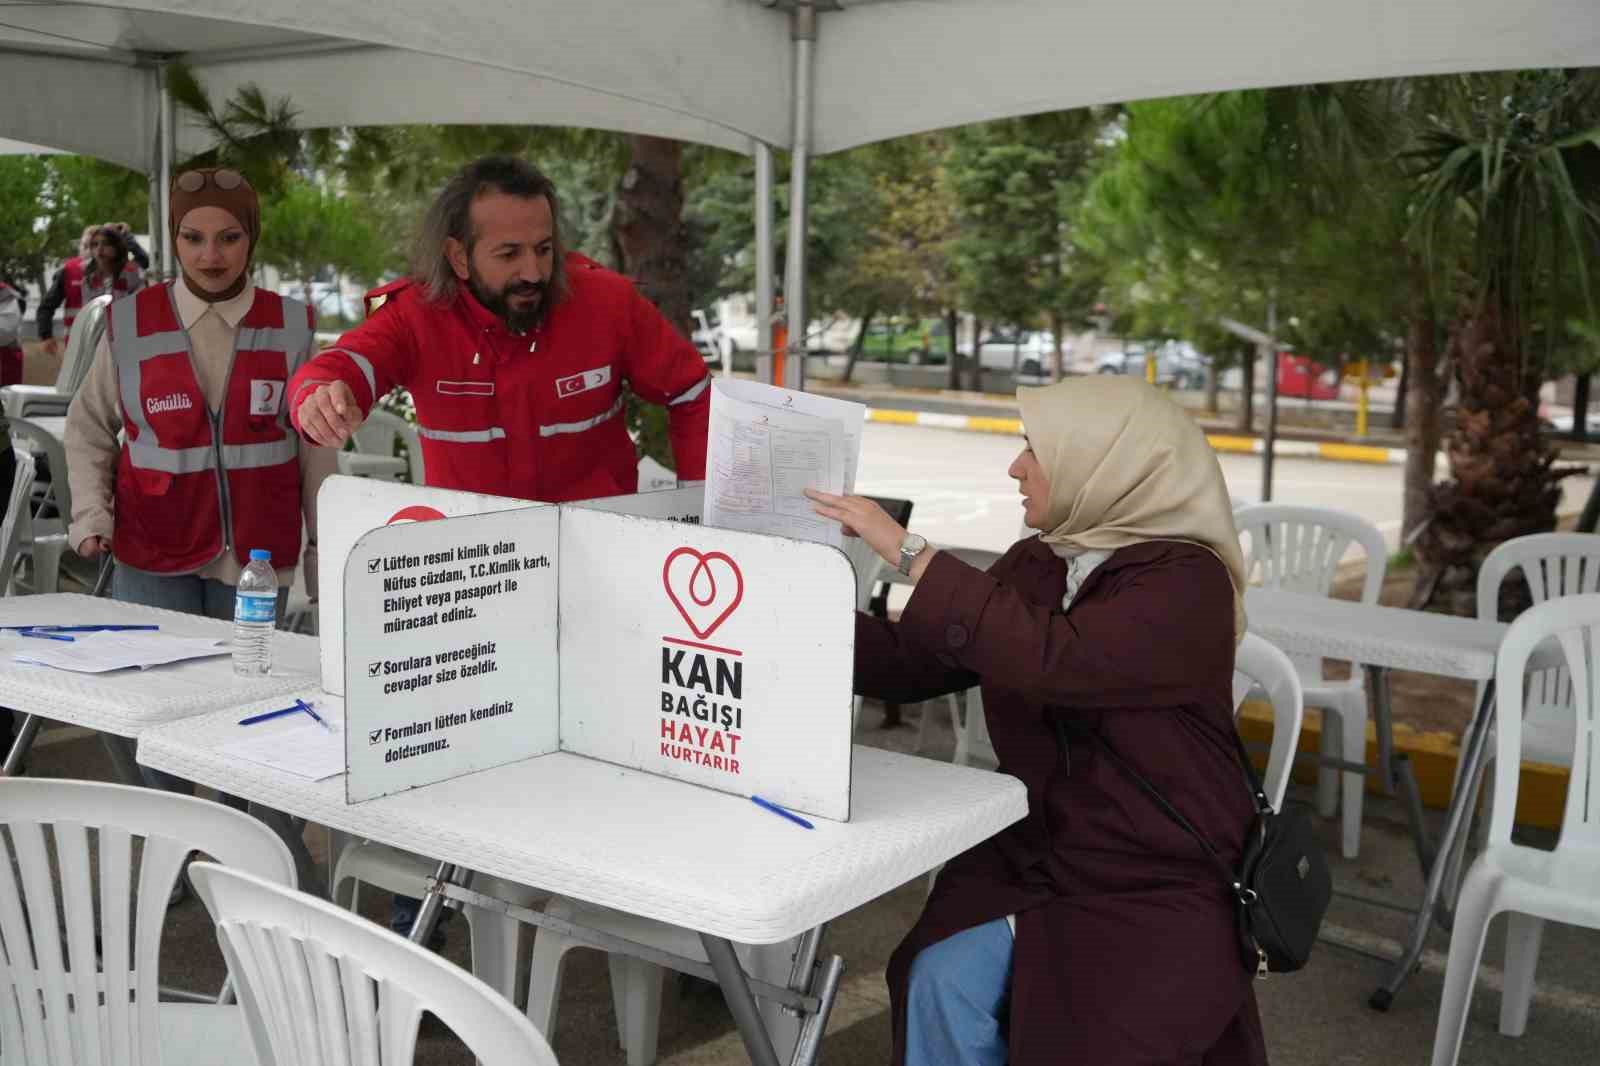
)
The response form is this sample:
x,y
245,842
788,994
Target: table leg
x,y
21,745
740,1000
1472,755
811,1030
433,901
122,759
1398,775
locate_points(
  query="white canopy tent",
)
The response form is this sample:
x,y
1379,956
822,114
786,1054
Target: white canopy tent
x,y
750,75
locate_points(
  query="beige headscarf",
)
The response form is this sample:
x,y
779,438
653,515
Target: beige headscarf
x,y
1127,465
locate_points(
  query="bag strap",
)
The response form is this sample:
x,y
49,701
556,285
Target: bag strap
x,y
1229,877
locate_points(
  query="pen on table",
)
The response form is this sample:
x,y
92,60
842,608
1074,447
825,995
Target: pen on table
x,y
55,632
299,706
304,706
782,812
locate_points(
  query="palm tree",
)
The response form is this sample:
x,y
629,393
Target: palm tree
x,y
1507,173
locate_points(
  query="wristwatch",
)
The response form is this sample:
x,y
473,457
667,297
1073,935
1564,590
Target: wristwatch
x,y
914,545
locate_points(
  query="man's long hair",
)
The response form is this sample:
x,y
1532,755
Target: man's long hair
x,y
450,215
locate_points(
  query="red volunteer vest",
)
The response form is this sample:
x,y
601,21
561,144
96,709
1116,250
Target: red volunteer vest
x,y
83,286
190,484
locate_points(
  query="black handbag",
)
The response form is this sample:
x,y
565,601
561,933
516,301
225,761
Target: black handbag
x,y
1282,887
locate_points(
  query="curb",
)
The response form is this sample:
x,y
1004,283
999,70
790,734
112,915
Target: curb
x,y
1344,453
1541,792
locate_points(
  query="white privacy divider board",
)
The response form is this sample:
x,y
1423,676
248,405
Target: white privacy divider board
x,y
348,507
656,614
451,648
678,505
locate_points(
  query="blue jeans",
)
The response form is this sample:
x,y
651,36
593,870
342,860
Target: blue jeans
x,y
957,1003
190,594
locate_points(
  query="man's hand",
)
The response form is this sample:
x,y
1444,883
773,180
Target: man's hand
x,y
329,414
51,346
92,547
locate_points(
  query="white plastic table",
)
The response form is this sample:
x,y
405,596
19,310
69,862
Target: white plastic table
x,y
1394,638
631,841
123,703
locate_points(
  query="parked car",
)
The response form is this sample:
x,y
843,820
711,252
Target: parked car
x,y
1008,349
1177,364
1301,377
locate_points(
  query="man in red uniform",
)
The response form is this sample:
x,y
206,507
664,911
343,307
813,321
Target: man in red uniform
x,y
109,261
515,352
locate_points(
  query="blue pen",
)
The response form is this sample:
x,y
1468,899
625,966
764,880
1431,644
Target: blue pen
x,y
775,809
254,718
53,632
304,706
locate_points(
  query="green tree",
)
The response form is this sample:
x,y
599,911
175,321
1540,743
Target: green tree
x,y
1016,182
306,230
24,242
1508,184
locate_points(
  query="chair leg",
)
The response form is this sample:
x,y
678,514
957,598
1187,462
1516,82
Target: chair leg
x,y
1523,934
544,977
1461,970
495,940
1353,720
1327,776
636,997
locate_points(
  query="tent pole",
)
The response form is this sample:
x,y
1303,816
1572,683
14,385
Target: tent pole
x,y
803,28
764,262
168,139
1270,438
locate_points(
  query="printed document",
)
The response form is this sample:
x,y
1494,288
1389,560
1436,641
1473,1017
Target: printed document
x,y
767,446
97,653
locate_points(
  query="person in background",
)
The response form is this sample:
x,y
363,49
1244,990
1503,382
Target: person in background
x,y
111,261
1095,930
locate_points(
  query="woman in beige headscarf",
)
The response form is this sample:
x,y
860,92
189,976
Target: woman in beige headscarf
x,y
1094,930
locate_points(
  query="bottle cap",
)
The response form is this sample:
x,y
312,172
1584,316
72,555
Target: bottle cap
x,y
260,553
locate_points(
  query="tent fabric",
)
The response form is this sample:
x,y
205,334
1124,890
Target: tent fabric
x,y
719,71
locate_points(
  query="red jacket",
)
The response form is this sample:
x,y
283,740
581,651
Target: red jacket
x,y
184,496
537,416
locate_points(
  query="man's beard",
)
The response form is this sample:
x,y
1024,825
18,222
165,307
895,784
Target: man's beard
x,y
500,302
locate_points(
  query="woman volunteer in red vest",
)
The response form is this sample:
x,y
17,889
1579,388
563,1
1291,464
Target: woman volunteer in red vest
x,y
194,371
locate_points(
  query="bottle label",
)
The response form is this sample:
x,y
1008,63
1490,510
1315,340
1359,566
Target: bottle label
x,y
255,607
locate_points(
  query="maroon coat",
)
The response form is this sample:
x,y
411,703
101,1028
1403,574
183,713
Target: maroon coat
x,y
1126,952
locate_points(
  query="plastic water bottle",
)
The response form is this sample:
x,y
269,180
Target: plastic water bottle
x,y
255,615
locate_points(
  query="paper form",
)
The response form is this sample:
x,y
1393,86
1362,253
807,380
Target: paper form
x,y
97,653
767,446
303,749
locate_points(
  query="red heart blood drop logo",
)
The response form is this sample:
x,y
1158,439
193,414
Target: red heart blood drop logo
x,y
705,588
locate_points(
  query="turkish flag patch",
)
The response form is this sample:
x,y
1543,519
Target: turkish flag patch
x,y
576,383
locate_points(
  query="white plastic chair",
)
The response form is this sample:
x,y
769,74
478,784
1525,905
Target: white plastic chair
x,y
320,985
46,401
636,984
1299,549
15,526
1552,565
374,456
1258,663
1532,884
45,983
45,539
495,936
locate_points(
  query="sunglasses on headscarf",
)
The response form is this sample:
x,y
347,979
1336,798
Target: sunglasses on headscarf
x,y
224,179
